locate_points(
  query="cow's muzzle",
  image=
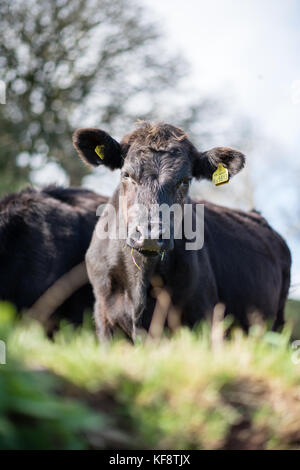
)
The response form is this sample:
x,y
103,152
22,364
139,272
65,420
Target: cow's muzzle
x,y
150,243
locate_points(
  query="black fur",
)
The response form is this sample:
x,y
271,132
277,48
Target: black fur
x,y
43,234
86,140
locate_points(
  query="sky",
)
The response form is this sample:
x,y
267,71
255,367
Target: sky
x,y
247,50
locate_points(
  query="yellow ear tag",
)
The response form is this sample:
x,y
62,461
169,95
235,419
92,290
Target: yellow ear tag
x,y
220,176
100,151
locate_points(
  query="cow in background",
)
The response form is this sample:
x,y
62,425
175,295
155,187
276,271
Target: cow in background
x,y
43,235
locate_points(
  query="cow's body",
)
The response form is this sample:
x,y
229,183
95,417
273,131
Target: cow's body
x,y
43,235
243,263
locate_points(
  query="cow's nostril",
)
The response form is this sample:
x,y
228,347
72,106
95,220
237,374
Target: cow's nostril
x,y
139,237
139,233
154,241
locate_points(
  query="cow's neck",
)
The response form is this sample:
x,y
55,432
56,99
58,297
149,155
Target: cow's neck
x,y
139,268
140,271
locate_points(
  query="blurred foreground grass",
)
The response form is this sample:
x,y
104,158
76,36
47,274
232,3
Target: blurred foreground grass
x,y
178,393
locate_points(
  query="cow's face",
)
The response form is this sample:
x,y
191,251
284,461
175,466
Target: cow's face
x,y
157,165
155,177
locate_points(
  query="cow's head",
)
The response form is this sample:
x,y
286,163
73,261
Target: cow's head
x,y
157,164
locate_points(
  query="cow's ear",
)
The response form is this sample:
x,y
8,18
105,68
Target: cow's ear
x,y
206,163
96,147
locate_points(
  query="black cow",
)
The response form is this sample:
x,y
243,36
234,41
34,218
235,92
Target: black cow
x,y
43,235
244,263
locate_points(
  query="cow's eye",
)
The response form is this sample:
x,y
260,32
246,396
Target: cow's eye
x,y
174,151
184,183
126,177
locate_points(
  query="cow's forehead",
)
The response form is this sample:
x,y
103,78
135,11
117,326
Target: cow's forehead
x,y
149,150
153,162
145,147
154,135
157,149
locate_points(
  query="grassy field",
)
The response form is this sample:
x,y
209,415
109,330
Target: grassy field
x,y
187,392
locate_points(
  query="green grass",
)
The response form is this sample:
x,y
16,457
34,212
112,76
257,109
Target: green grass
x,y
177,393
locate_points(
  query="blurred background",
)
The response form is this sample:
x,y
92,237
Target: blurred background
x,y
226,71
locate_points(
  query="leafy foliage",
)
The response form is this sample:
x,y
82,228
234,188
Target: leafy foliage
x,y
33,414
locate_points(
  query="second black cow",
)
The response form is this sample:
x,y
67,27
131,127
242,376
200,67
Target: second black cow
x,y
43,235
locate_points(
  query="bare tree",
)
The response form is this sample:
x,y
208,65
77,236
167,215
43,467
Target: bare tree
x,y
61,61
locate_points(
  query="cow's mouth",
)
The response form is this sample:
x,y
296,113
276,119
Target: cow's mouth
x,y
146,253
150,253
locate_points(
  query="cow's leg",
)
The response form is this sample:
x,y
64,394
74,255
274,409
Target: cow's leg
x,y
107,317
127,323
103,327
